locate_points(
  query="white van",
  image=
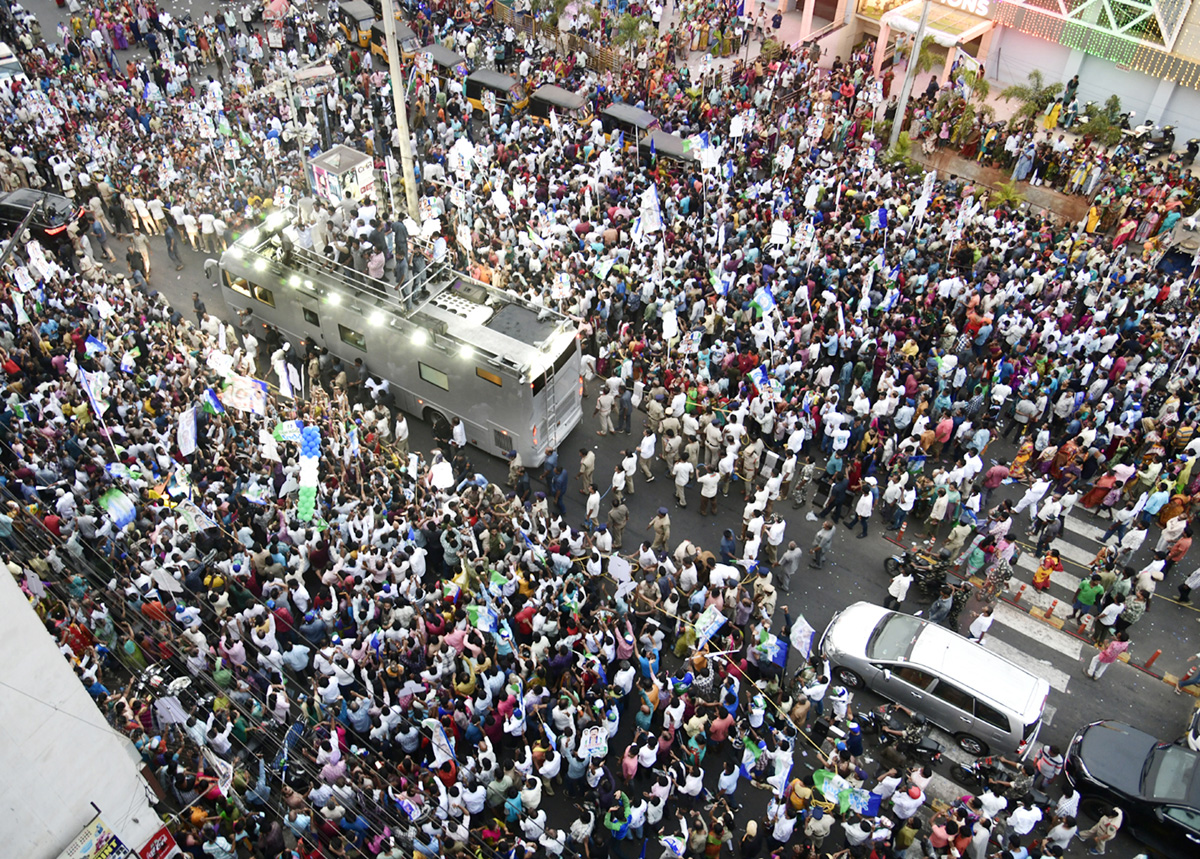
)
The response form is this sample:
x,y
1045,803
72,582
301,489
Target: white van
x,y
985,701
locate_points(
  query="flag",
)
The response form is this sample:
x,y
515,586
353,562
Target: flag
x,y
353,443
620,139
741,8
536,239
118,507
729,169
19,305
653,149
879,219
760,377
763,300
85,381
482,618
211,403
704,140
127,360
92,346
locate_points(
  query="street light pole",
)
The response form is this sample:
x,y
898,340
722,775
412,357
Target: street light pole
x,y
910,74
400,102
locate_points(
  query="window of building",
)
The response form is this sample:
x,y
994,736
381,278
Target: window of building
x,y
434,376
355,339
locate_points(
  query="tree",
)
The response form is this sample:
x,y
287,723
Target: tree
x,y
1034,96
970,108
1007,196
1103,124
630,31
926,61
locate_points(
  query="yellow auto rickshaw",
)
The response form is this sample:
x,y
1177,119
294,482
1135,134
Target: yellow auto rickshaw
x,y
355,18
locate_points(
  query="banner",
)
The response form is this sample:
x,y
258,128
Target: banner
x,y
802,637
161,846
185,435
221,768
707,625
246,395
593,742
96,841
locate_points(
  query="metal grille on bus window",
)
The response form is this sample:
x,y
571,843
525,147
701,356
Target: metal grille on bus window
x,y
501,440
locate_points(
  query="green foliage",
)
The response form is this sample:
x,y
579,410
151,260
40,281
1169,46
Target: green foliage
x,y
1100,129
1034,96
901,152
1006,195
772,48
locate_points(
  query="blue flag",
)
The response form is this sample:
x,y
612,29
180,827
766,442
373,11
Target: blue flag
x,y
729,169
92,346
653,150
763,300
620,139
741,8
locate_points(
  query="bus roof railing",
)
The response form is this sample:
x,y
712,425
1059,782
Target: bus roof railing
x,y
406,301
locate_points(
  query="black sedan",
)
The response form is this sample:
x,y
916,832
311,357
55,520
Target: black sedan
x,y
55,213
1156,785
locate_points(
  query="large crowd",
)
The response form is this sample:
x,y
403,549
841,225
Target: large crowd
x,y
422,661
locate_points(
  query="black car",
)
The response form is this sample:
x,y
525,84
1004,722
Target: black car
x,y
1156,785
49,223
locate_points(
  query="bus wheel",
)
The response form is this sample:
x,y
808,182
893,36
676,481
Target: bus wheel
x,y
437,423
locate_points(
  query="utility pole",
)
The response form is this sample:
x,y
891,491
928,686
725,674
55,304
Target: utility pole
x,y
910,73
400,102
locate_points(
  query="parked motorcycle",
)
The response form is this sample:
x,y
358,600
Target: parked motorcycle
x,y
978,774
1160,141
928,575
927,751
1187,155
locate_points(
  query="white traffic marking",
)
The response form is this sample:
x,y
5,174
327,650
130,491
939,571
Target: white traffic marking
x,y
1084,529
1039,630
1039,668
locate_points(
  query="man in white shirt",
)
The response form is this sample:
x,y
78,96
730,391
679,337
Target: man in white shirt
x,y
682,470
709,481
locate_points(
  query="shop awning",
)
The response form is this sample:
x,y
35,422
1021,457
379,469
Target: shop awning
x,y
947,27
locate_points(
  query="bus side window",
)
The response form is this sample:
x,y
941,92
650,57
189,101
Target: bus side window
x,y
539,382
354,338
238,284
310,316
264,295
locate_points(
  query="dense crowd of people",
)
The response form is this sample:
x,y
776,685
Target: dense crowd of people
x,y
429,656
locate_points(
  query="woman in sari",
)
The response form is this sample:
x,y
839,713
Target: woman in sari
x,y
979,556
1018,470
1065,457
1148,227
1095,496
1049,565
1125,230
1173,508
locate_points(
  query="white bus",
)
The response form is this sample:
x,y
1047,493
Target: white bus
x,y
447,344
